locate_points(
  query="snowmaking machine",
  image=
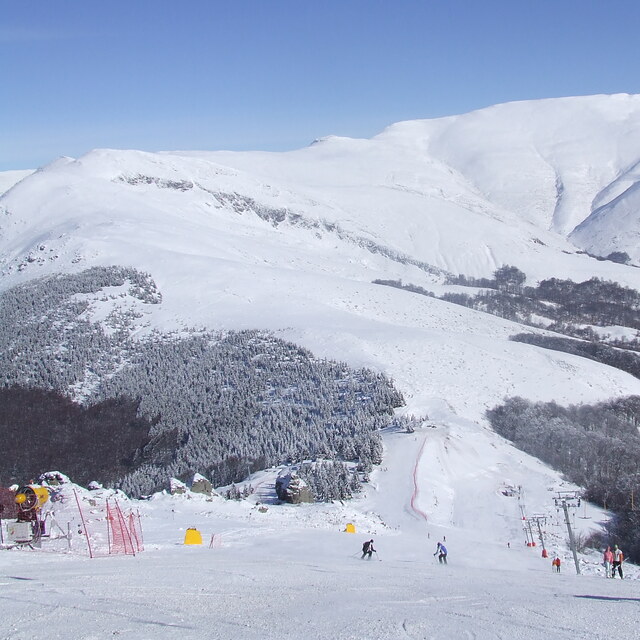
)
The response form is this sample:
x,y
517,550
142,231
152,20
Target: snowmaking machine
x,y
28,527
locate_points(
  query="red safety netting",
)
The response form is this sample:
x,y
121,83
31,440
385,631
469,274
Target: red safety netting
x,y
107,530
120,538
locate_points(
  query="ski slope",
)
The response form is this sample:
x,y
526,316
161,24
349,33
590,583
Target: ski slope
x,y
292,571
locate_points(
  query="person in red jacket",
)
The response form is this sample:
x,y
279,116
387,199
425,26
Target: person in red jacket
x,y
556,564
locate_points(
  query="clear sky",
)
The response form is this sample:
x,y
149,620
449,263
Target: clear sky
x,y
276,74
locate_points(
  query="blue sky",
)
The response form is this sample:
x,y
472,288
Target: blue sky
x,y
276,74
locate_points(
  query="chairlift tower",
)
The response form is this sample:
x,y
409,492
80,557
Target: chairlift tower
x,y
567,500
526,525
539,522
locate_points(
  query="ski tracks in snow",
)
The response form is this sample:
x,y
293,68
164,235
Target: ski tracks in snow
x,y
429,480
416,489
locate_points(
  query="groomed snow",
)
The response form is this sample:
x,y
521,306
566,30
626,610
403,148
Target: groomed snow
x,y
293,572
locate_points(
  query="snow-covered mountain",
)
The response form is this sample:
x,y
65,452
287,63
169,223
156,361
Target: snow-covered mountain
x,y
10,178
465,193
292,242
614,224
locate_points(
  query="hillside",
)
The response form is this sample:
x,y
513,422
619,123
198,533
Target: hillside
x,y
269,571
292,243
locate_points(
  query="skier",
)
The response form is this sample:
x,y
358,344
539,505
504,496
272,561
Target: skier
x,y
618,559
368,550
607,560
556,564
441,552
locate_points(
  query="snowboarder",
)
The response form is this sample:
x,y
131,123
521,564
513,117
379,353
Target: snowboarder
x,y
618,559
607,561
556,564
441,552
368,550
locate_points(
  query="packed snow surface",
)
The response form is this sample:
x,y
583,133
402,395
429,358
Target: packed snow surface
x,y
271,571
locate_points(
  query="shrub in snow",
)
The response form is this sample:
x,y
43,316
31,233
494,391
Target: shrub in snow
x,y
53,478
621,257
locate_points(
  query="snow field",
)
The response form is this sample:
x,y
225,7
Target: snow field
x,y
275,576
291,571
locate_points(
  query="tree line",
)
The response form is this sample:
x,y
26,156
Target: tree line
x,y
43,430
222,404
595,446
570,308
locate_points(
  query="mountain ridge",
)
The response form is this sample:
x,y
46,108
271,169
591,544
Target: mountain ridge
x,y
291,242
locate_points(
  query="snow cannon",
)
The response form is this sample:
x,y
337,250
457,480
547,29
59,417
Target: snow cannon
x,y
30,499
28,527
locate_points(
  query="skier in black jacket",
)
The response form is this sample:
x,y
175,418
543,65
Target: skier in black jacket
x,y
368,550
